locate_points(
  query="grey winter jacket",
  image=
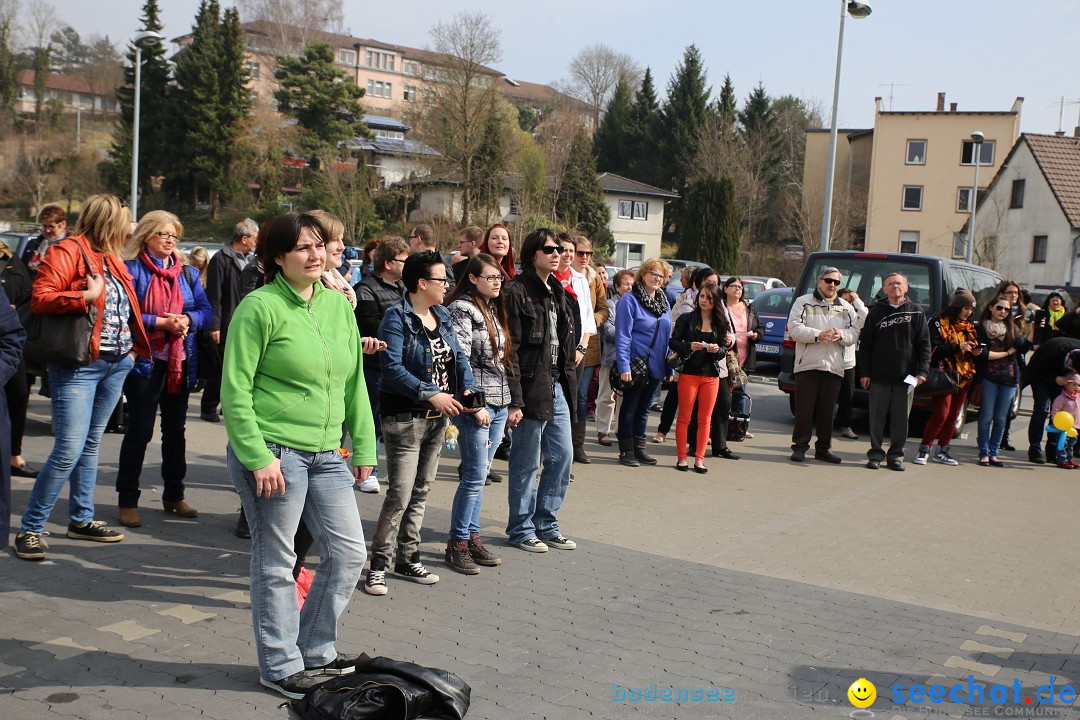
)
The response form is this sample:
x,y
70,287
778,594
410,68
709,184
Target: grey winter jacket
x,y
472,335
607,334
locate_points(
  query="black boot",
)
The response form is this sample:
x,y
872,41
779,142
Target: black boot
x,y
626,453
639,452
242,531
577,435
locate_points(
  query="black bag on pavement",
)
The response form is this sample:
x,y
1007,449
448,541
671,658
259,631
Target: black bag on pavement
x,y
61,338
385,688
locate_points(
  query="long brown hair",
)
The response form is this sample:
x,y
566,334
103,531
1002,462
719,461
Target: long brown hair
x,y
507,263
1011,330
493,311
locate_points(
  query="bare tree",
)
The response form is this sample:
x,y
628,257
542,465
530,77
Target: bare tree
x,y
103,69
595,71
293,25
461,91
42,17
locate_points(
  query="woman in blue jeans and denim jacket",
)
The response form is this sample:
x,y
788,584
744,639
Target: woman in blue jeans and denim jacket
x,y
999,370
642,329
478,316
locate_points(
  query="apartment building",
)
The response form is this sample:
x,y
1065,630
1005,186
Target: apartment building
x,y
71,92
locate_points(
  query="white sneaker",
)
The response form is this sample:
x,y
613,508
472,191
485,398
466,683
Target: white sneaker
x,y
922,457
375,583
371,485
942,456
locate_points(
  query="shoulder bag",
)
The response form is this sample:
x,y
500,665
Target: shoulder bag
x,y
940,380
639,369
62,338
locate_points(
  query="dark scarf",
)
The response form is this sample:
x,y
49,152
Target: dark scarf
x,y
657,304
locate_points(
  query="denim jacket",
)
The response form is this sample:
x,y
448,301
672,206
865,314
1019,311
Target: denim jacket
x,y
406,366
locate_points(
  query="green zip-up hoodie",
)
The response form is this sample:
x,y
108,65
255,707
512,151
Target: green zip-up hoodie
x,y
293,372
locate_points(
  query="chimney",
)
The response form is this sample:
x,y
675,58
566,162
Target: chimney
x,y
941,102
1060,133
1076,131
952,107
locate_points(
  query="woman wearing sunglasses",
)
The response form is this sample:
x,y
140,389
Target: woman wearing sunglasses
x,y
1000,371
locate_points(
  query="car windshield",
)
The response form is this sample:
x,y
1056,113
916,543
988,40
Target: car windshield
x,y
776,303
865,275
751,289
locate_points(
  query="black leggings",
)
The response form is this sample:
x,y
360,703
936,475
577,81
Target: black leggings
x,y
17,391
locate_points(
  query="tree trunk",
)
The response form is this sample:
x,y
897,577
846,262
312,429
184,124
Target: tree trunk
x,y
213,204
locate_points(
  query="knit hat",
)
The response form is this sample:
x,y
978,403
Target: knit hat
x,y
962,298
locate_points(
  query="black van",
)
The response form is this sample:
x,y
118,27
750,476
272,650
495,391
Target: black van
x,y
931,282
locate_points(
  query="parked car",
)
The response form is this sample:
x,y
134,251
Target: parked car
x,y
772,308
931,283
186,246
17,241
753,285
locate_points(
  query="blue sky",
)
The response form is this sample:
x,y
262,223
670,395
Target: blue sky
x,y
982,53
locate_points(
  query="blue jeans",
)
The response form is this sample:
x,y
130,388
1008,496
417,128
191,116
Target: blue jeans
x,y
318,488
993,412
478,445
534,509
634,413
740,400
83,398
584,382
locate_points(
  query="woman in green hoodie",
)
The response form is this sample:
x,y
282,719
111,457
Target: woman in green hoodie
x,y
292,375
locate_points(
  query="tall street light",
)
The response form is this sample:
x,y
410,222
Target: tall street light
x,y
144,39
977,139
858,11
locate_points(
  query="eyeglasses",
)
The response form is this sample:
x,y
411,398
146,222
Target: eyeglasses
x,y
830,281
734,287
415,237
550,249
584,253
167,235
1006,308
400,260
493,279
657,276
444,281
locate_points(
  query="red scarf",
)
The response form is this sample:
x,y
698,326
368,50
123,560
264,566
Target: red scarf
x,y
564,280
164,295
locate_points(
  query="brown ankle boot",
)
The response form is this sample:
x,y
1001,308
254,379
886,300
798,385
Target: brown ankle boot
x,y
181,508
129,517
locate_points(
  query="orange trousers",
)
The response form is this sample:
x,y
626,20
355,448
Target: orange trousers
x,y
703,390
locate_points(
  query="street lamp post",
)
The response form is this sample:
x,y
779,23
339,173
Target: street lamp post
x,y
858,11
977,139
144,39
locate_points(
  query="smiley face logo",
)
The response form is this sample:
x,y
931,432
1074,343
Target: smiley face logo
x,y
862,693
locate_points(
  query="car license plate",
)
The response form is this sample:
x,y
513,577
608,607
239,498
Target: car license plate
x,y
768,349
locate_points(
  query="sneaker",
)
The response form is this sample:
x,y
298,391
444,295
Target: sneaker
x,y
923,456
30,546
371,485
942,456
94,530
560,543
748,436
294,686
341,665
480,554
375,583
416,572
531,545
848,433
459,558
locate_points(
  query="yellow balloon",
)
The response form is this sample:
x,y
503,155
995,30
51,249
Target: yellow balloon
x,y
1071,432
1064,421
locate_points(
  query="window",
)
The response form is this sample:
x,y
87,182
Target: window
x,y
410,67
410,93
1017,200
909,241
379,89
959,246
916,152
1038,249
963,198
626,209
641,210
912,197
635,253
986,157
253,70
346,57
380,60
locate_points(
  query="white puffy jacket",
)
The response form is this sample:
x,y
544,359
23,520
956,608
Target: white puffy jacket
x,y
810,314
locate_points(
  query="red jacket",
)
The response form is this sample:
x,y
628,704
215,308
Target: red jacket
x,y
61,280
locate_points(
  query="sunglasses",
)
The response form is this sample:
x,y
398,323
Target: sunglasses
x,y
1002,307
550,249
584,253
830,281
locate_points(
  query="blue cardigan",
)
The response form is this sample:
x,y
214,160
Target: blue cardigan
x,y
634,326
196,306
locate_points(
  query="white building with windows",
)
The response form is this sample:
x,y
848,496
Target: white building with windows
x,y
637,217
390,154
1028,224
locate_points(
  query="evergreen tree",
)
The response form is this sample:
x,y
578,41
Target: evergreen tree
x,y
326,105
710,232
155,148
683,117
8,86
580,201
644,146
757,117
725,104
612,141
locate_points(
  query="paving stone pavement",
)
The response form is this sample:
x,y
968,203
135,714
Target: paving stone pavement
x,y
659,592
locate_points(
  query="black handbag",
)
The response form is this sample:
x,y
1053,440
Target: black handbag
x,y
61,338
940,380
675,360
639,369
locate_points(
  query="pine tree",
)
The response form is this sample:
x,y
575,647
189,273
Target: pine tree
x,y
711,228
612,141
326,106
757,116
580,202
8,86
644,145
683,116
725,104
155,148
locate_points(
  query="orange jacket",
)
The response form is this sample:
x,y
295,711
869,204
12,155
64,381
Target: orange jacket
x,y
61,280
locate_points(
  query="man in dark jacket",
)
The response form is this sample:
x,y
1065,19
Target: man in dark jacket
x,y
375,294
1045,373
12,337
543,390
894,358
223,290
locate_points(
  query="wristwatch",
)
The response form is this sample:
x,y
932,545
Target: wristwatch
x,y
581,350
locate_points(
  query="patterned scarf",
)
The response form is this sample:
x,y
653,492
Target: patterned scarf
x,y
164,295
1055,316
657,304
963,331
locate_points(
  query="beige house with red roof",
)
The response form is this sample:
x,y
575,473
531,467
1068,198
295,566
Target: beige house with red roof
x,y
72,92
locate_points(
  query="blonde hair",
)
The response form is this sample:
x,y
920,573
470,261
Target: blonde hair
x,y
198,253
335,228
151,223
104,222
653,265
